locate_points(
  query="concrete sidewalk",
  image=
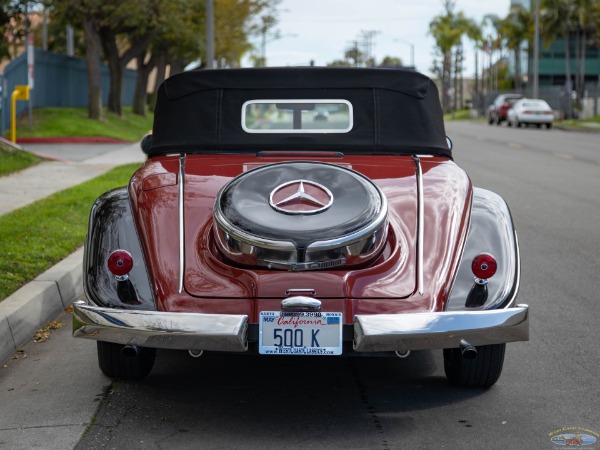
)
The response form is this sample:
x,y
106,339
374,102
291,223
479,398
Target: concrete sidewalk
x,y
38,302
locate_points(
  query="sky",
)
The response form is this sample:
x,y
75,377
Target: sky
x,y
321,30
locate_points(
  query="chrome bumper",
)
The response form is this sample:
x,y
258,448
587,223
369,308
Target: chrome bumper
x,y
180,331
421,331
372,333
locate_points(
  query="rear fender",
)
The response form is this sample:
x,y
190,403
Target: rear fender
x,y
112,227
491,231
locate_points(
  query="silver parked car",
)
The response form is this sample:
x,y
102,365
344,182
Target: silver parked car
x,y
530,111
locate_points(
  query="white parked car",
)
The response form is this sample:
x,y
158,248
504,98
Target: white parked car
x,y
530,111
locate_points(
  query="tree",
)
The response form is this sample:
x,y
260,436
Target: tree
x,y
391,61
586,18
85,13
447,30
355,56
517,28
556,17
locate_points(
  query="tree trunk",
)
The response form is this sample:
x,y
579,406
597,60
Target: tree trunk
x,y
177,66
568,83
583,55
117,63
92,62
161,73
111,52
518,69
140,97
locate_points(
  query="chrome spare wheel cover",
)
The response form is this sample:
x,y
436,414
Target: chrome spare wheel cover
x,y
300,216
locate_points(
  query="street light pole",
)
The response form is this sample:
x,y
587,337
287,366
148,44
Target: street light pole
x,y
210,35
412,50
536,50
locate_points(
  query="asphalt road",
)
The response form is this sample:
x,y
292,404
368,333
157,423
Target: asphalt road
x,y
550,385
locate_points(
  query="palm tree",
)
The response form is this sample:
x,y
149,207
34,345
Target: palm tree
x,y
447,30
496,45
556,17
475,33
586,15
517,28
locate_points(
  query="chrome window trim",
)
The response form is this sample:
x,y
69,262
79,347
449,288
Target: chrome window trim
x,y
312,131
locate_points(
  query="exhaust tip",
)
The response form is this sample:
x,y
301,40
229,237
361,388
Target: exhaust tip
x,y
467,350
195,353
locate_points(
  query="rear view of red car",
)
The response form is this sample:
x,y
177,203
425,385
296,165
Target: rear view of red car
x,y
497,112
308,212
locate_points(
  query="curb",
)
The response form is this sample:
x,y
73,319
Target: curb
x,y
38,302
72,140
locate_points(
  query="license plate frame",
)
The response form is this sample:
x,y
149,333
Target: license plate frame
x,y
289,332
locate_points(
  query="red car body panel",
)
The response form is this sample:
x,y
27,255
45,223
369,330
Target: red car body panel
x,y
388,285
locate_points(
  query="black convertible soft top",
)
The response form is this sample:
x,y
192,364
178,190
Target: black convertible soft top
x,y
394,111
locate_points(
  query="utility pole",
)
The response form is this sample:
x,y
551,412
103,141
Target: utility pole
x,y
367,42
210,35
536,50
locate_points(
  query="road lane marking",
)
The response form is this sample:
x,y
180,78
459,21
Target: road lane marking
x,y
515,146
566,156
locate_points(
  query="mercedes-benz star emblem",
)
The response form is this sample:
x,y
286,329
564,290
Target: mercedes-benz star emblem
x,y
300,197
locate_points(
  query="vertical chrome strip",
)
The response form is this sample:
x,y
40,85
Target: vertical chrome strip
x,y
420,224
181,228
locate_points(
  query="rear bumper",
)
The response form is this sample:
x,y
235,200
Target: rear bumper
x,y
401,332
180,331
227,332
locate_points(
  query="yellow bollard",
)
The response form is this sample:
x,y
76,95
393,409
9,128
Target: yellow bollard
x,y
21,92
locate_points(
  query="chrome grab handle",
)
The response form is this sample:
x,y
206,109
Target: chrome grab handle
x,y
300,303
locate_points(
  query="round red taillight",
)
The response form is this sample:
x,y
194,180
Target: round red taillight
x,y
120,262
484,266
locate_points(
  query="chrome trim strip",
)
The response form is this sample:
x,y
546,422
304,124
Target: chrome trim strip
x,y
422,331
301,131
181,225
356,236
420,224
247,238
180,331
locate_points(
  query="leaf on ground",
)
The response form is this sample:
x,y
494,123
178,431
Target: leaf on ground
x,y
43,334
20,355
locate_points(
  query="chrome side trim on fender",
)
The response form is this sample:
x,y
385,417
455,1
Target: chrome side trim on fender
x,y
421,331
181,226
179,331
420,224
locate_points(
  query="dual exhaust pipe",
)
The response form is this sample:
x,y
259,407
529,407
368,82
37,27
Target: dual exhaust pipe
x,y
467,351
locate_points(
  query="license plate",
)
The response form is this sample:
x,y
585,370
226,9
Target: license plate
x,y
300,333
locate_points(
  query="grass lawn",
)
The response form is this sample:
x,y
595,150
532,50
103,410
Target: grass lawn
x,y
15,160
74,122
34,238
593,123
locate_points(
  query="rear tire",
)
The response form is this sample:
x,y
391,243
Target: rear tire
x,y
549,125
483,371
115,365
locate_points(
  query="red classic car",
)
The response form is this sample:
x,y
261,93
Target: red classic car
x,y
498,110
301,211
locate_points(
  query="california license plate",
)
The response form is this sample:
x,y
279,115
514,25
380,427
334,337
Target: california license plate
x,y
300,333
